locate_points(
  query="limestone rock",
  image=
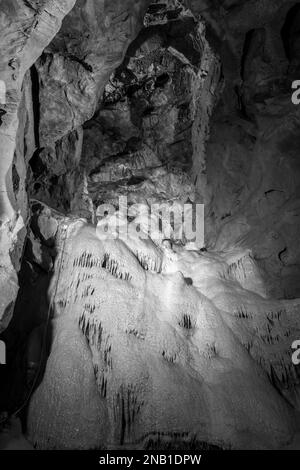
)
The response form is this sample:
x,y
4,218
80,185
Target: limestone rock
x,y
25,31
157,342
151,333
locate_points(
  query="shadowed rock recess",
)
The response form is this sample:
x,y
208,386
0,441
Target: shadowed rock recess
x,y
149,342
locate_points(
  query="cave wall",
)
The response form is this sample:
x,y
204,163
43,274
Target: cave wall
x,y
159,101
75,69
257,45
77,64
228,150
26,29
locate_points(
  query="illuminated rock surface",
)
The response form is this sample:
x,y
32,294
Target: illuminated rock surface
x,y
183,347
168,102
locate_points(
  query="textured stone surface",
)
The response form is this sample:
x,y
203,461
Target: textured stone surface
x,y
77,64
217,347
26,29
154,111
252,191
12,438
25,32
190,102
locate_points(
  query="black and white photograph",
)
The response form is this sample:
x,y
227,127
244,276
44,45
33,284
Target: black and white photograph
x,y
149,229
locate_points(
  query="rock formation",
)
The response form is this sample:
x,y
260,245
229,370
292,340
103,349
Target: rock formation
x,y
162,331
26,29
